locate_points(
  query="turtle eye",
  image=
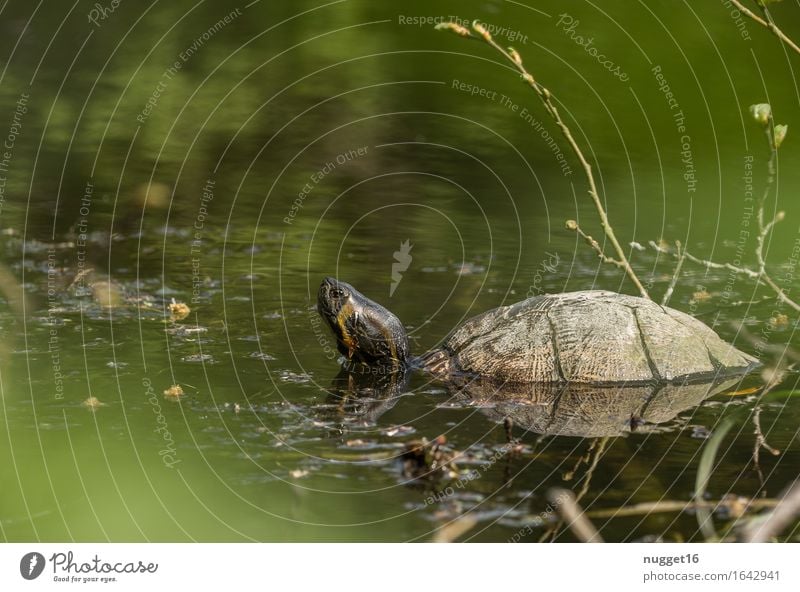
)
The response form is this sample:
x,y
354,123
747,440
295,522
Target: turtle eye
x,y
337,293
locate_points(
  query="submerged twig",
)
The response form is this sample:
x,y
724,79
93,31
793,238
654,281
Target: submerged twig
x,y
787,510
595,452
761,440
571,513
481,33
455,529
587,478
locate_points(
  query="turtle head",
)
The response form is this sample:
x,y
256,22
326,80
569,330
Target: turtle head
x,y
365,331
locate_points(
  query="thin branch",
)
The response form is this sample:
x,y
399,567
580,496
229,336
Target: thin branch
x,y
775,135
675,276
587,478
760,276
765,229
761,441
704,262
547,100
572,225
766,22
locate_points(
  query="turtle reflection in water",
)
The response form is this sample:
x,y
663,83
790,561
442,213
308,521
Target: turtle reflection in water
x,y
573,363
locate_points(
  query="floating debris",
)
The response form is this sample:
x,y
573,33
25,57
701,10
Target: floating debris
x,y
178,310
469,268
289,376
744,392
93,403
399,431
174,392
199,359
153,195
107,293
780,320
701,296
428,460
298,473
732,506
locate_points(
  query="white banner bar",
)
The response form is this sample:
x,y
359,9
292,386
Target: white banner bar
x,y
371,567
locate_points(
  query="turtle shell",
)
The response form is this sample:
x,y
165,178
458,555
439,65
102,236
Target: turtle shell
x,y
593,337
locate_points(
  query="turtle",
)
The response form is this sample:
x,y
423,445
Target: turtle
x,y
593,337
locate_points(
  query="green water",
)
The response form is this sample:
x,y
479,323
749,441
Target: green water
x,y
360,120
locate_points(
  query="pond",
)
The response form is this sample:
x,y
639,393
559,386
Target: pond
x,y
229,157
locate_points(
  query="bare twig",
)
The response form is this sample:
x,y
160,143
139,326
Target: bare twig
x,y
704,262
766,22
596,456
775,134
675,275
547,100
571,513
582,460
761,274
761,442
670,506
766,228
573,225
